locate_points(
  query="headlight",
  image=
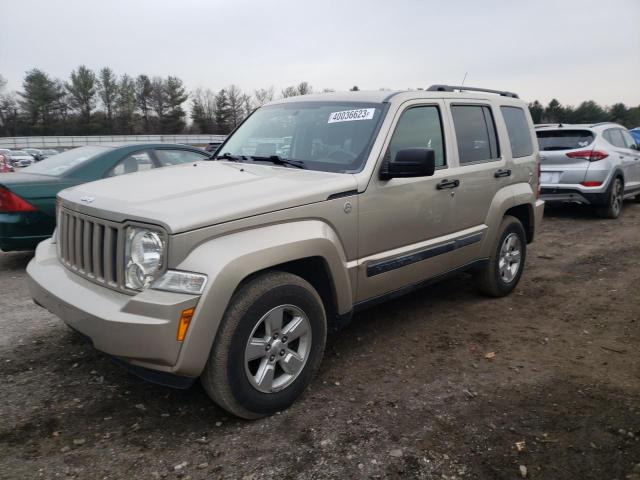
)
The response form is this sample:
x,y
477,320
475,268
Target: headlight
x,y
144,257
181,282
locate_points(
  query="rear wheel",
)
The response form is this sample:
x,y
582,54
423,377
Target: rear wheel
x,y
615,198
269,346
501,275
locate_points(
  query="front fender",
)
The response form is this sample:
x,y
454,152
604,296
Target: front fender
x,y
229,259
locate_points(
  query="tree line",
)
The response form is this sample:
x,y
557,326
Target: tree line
x,y
103,103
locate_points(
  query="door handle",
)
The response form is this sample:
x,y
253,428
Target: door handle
x,y
448,184
502,173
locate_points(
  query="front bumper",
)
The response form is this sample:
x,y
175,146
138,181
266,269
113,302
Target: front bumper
x,y
139,330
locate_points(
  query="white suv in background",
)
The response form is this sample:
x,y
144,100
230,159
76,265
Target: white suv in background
x,y
597,164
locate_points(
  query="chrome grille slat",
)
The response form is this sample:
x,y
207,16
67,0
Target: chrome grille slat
x,y
109,274
77,244
120,254
97,251
86,247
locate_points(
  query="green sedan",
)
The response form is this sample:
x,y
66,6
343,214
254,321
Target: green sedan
x,y
28,196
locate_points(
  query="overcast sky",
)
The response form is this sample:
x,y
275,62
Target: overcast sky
x,y
568,49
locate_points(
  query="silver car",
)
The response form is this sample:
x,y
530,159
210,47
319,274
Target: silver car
x,y
596,164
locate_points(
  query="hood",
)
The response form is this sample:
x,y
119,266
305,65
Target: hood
x,y
195,195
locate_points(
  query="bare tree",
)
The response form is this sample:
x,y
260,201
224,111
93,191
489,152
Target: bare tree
x,y
304,88
203,109
247,105
263,95
289,92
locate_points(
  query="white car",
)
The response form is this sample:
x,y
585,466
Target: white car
x,y
20,158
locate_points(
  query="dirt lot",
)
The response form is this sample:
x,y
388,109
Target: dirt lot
x,y
407,391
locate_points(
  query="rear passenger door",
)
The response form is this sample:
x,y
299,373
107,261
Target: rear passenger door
x,y
480,171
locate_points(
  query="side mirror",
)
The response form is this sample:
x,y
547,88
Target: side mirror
x,y
410,162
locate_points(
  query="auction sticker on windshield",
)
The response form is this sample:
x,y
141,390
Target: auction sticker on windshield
x,y
351,115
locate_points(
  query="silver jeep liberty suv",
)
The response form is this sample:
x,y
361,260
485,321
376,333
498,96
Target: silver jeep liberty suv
x,y
233,270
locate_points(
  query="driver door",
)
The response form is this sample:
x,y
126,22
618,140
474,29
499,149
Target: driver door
x,y
404,223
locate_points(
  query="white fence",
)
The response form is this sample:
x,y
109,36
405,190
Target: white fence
x,y
76,141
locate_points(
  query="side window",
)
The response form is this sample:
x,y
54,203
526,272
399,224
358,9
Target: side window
x,y
175,157
475,133
614,137
629,141
419,127
518,130
136,162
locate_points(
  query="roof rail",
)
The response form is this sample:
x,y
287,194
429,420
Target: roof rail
x,y
602,123
543,125
451,88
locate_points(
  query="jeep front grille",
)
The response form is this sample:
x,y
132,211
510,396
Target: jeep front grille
x,y
92,247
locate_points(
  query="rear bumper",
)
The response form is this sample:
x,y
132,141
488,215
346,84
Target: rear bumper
x,y
575,194
137,330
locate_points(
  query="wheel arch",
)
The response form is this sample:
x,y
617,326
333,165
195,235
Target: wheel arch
x,y
310,249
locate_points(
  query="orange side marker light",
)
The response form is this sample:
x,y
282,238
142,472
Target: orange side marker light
x,y
185,320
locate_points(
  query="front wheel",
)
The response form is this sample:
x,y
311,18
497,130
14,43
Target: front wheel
x,y
269,346
506,263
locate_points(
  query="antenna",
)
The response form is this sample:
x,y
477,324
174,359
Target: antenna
x,y
465,77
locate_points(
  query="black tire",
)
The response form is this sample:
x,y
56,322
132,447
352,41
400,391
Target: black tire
x,y
614,201
489,280
224,377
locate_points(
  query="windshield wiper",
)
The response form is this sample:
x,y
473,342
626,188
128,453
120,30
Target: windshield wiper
x,y
278,160
228,156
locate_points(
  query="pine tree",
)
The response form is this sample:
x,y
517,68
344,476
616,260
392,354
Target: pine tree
x,y
38,99
82,90
143,99
222,112
176,95
108,91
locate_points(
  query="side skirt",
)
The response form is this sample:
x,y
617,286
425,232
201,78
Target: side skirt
x,y
344,319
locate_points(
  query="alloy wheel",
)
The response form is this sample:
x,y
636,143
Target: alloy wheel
x,y
510,258
278,348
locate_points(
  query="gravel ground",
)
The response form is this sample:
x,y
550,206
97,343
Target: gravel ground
x,y
439,384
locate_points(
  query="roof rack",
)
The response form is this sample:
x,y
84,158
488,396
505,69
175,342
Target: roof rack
x,y
451,88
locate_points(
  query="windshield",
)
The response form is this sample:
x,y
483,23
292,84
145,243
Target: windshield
x,y
19,153
564,139
327,136
57,165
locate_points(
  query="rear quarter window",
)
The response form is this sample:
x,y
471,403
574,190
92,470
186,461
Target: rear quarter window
x,y
550,140
518,130
614,137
